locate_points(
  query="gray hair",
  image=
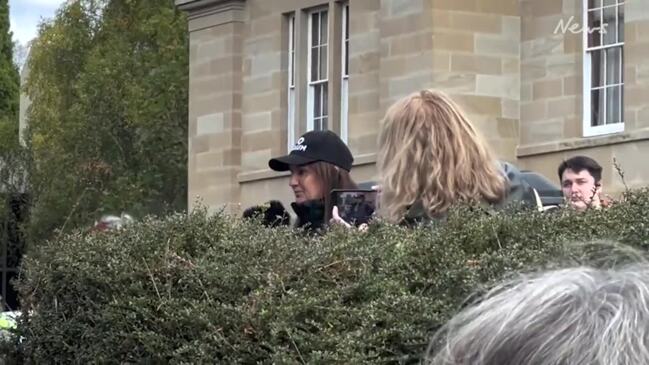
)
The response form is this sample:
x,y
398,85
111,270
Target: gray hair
x,y
571,316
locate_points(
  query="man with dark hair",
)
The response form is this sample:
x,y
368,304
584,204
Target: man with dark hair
x,y
581,182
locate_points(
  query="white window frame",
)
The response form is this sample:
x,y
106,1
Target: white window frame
x,y
344,82
588,129
291,83
313,84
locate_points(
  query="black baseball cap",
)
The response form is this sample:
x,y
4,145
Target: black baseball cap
x,y
315,146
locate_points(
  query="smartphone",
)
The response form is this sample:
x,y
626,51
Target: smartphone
x,y
355,206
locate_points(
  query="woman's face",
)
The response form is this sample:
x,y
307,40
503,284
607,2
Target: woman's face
x,y
305,184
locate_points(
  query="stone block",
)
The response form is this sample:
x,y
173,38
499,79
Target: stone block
x,y
572,85
453,41
564,107
209,124
478,64
362,43
560,65
508,128
542,131
510,109
454,82
458,5
511,26
363,102
410,44
534,111
405,7
399,26
542,47
255,122
533,69
441,18
505,86
256,159
511,65
526,91
636,11
487,44
547,89
398,87
500,7
477,104
475,22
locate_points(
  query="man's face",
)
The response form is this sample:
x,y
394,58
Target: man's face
x,y
579,189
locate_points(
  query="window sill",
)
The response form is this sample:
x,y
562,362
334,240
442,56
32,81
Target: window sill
x,y
579,143
268,174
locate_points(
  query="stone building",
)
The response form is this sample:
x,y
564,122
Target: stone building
x,y
542,79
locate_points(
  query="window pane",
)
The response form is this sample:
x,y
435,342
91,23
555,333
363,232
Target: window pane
x,y
315,25
347,22
346,42
609,26
324,123
292,76
597,69
613,62
323,63
596,107
613,105
346,71
323,28
609,2
594,4
325,99
620,23
621,104
621,65
314,63
316,101
594,23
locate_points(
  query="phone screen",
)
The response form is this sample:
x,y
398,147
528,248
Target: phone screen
x,y
355,206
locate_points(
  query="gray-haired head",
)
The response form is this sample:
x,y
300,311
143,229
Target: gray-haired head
x,y
563,317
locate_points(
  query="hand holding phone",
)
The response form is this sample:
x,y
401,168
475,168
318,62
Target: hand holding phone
x,y
355,206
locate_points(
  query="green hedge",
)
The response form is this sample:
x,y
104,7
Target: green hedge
x,y
199,289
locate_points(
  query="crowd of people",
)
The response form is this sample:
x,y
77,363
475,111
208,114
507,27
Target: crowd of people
x,y
430,157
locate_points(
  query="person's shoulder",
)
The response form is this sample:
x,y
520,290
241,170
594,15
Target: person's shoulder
x,y
518,190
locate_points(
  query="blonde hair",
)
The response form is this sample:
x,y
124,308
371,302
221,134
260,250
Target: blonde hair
x,y
429,151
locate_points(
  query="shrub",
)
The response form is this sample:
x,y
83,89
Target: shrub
x,y
206,289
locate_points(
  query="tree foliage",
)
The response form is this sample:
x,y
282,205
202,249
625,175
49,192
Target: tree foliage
x,y
9,80
108,122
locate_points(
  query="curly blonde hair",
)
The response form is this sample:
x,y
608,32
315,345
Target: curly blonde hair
x,y
430,152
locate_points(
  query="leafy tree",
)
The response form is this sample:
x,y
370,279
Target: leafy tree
x,y
12,155
9,80
108,122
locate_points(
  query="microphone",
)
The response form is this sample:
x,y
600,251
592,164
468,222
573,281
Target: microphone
x,y
273,214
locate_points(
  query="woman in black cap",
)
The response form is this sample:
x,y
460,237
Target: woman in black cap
x,y
319,162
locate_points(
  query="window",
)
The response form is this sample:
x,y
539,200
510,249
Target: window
x,y
344,84
291,81
317,51
318,68
603,39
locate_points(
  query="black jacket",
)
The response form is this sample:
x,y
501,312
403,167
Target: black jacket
x,y
310,215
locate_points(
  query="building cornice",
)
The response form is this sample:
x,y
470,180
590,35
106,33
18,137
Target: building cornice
x,y
572,144
192,6
209,13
